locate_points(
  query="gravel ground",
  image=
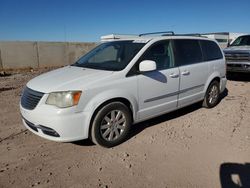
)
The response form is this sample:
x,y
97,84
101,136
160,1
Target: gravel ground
x,y
192,147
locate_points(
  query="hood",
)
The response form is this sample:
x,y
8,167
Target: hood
x,y
66,78
238,49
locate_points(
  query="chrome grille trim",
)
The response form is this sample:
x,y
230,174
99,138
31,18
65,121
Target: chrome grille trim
x,y
238,56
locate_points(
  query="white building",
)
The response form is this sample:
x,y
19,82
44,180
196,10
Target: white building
x,y
223,38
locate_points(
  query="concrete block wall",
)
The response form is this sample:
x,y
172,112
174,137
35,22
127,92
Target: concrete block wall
x,y
20,55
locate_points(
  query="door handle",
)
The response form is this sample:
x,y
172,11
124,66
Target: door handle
x,y
174,75
185,72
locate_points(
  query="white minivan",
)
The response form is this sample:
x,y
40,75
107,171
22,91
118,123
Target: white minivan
x,y
123,81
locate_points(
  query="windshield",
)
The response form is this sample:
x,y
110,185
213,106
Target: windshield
x,y
242,41
113,56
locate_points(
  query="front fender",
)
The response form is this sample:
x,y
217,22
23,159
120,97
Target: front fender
x,y
102,97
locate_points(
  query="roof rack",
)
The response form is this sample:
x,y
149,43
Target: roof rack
x,y
164,33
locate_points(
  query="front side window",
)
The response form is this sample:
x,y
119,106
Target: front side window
x,y
188,51
211,50
112,56
161,53
242,41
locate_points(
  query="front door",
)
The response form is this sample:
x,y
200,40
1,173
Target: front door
x,y
158,90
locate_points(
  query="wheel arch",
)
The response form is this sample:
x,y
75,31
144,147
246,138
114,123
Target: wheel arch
x,y
206,101
215,76
123,100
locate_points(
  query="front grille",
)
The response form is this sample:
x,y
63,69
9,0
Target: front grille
x,y
243,66
30,98
234,65
238,56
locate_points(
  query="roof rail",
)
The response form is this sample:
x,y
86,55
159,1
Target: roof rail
x,y
190,34
116,36
165,33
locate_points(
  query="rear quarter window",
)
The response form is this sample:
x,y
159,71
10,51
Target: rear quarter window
x,y
187,51
211,51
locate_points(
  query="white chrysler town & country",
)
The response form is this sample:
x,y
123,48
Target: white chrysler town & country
x,y
123,81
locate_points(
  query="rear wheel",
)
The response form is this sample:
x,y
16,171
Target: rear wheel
x,y
212,95
111,125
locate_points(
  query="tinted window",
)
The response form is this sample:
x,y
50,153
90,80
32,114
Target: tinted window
x,y
211,50
187,51
161,53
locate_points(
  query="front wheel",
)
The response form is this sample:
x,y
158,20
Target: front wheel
x,y
111,125
212,95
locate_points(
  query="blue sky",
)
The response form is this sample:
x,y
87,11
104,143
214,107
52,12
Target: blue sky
x,y
87,20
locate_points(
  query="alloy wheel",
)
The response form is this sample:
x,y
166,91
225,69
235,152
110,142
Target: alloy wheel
x,y
113,125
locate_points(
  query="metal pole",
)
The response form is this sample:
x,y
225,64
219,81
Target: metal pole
x,y
1,62
37,55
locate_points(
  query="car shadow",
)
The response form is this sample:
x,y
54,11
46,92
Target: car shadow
x,y
156,75
223,94
86,142
243,77
234,175
139,127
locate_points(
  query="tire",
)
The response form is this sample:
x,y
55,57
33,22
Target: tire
x,y
212,96
111,125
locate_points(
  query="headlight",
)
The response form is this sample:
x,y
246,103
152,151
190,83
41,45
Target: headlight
x,y
64,99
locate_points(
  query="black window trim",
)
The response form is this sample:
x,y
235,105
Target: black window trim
x,y
202,52
174,55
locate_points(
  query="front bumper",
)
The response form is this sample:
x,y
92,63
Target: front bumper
x,y
62,125
238,67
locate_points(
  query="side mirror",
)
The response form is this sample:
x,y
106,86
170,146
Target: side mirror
x,y
147,65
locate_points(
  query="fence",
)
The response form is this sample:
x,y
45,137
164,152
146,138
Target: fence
x,y
21,55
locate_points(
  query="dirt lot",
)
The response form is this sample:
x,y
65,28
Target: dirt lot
x,y
192,147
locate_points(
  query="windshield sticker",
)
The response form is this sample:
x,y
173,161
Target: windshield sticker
x,y
140,41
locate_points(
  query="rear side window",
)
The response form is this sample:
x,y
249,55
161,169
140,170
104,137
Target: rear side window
x,y
211,50
187,51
